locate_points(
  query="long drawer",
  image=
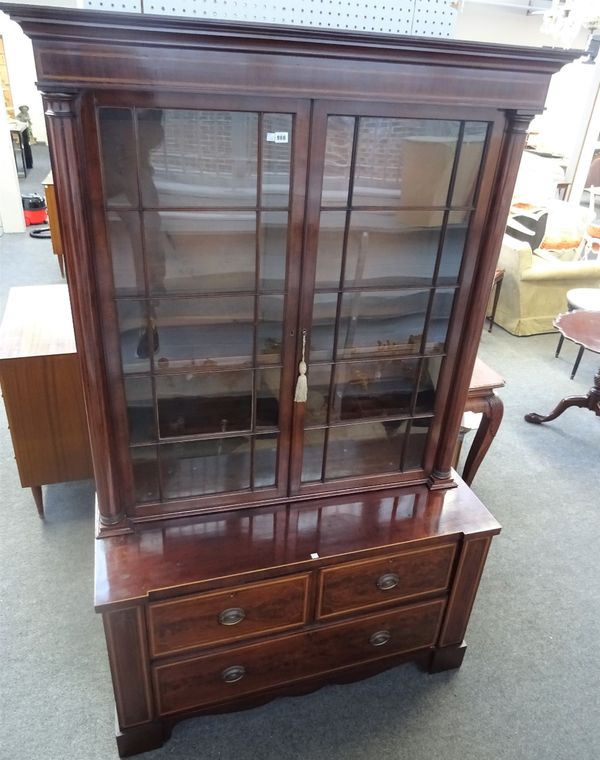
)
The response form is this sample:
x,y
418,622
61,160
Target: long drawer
x,y
212,679
368,584
222,616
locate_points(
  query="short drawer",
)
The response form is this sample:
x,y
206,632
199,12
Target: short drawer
x,y
374,583
221,616
213,679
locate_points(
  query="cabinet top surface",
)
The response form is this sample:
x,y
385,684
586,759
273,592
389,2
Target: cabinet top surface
x,y
37,322
240,545
41,22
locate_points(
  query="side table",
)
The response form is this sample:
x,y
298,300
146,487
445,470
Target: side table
x,y
41,385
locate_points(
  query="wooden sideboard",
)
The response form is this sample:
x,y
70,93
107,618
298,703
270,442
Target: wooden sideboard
x,y
41,385
55,236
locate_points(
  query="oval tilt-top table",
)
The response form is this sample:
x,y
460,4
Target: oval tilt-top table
x,y
582,327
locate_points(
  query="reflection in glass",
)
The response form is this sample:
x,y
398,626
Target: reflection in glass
x,y
404,162
415,447
330,249
140,409
319,381
273,249
265,460
439,320
269,330
203,333
430,373
200,252
125,242
145,474
469,163
312,458
267,397
338,156
390,248
323,326
197,158
382,322
276,159
217,402
119,163
367,448
454,246
206,466
365,390
136,336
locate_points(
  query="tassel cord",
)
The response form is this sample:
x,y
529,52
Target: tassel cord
x,y
301,392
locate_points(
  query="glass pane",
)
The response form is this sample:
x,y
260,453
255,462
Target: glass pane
x,y
323,326
312,458
368,448
273,249
200,252
469,163
126,252
440,318
119,163
204,332
330,249
404,162
218,402
145,474
388,248
206,466
140,409
319,380
267,397
276,159
338,157
136,339
382,322
428,384
454,246
197,158
269,330
374,389
265,460
415,446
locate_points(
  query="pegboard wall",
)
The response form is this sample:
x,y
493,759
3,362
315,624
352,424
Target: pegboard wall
x,y
430,18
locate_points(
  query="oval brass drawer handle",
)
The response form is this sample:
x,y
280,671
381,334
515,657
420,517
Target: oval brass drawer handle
x,y
233,674
379,638
387,581
232,616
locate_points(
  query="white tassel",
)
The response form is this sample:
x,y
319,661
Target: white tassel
x,y
301,393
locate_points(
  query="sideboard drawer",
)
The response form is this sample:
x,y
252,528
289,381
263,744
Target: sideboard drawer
x,y
373,583
220,616
211,679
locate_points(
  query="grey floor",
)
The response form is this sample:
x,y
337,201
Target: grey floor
x,y
529,688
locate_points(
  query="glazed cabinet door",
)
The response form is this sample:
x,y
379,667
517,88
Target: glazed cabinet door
x,y
198,239
390,215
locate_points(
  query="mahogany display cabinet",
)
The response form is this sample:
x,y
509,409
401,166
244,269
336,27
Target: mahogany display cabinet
x,y
280,244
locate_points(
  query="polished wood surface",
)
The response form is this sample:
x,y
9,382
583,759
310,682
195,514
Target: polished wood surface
x,y
481,399
41,385
582,327
55,236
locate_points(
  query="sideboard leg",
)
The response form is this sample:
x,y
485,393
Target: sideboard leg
x,y
447,658
143,738
38,497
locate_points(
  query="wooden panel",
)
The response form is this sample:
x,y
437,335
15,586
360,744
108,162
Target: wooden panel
x,y
55,236
200,681
126,641
374,583
193,621
47,419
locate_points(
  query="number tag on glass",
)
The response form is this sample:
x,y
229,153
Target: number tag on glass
x,y
277,137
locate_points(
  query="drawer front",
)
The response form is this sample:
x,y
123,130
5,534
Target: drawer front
x,y
217,678
373,583
222,616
